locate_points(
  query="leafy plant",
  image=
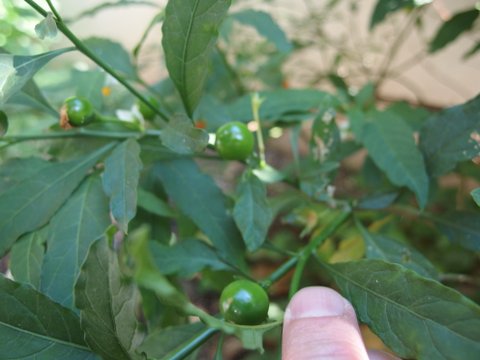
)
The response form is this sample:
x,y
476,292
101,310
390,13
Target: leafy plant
x,y
117,235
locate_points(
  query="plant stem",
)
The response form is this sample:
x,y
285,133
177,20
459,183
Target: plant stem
x,y
384,68
187,349
310,248
54,11
256,103
88,53
305,253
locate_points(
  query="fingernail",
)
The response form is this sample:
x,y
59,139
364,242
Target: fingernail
x,y
315,302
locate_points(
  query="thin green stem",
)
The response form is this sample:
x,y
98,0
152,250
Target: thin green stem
x,y
256,103
385,67
54,11
307,251
192,345
88,53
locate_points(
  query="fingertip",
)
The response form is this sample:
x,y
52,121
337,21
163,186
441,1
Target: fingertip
x,y
320,324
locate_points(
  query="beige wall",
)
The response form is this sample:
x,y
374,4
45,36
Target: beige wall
x,y
441,80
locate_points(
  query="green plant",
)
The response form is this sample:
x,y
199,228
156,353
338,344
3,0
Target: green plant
x,y
234,141
118,237
244,302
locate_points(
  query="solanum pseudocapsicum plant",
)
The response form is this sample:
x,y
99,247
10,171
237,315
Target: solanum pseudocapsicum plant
x,y
105,225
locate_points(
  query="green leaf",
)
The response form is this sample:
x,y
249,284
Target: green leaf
x,y
107,305
461,227
265,26
3,123
385,7
453,28
197,196
31,202
476,196
34,327
161,342
26,258
151,203
113,54
416,317
15,170
182,137
385,248
47,28
120,181
252,213
147,275
186,258
446,138
16,71
78,223
391,145
30,95
415,117
190,31
279,104
89,85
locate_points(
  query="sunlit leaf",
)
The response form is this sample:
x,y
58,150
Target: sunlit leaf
x,y
16,71
190,31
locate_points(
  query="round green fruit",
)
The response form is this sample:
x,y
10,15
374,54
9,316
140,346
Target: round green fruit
x,y
244,302
145,110
234,141
79,110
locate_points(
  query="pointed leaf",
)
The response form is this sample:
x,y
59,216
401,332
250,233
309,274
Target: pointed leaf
x,y
113,54
385,7
31,202
151,203
197,195
78,223
120,181
190,31
107,305
385,248
265,26
26,258
30,95
34,327
16,71
448,137
416,317
391,145
252,213
186,258
461,227
182,137
453,28
279,104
